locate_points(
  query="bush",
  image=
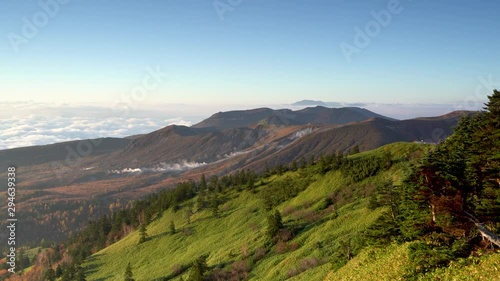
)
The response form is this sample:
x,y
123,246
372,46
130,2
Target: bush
x,y
259,254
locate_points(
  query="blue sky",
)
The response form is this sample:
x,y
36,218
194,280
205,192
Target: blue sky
x,y
262,52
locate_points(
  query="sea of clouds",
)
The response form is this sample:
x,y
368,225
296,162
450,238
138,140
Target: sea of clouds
x,y
28,123
38,130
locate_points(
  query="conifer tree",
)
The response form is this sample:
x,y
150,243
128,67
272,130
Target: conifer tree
x,y
251,182
267,172
203,183
274,224
172,228
58,271
215,206
202,191
214,185
302,163
128,273
80,274
50,275
199,268
142,233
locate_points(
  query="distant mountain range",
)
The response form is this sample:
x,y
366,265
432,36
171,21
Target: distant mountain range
x,y
310,103
318,115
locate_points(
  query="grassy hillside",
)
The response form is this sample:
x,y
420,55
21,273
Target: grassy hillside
x,y
327,218
389,264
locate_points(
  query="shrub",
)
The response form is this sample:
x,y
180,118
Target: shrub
x,y
259,254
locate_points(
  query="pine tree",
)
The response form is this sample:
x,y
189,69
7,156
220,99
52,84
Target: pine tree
x,y
69,274
274,224
203,183
311,161
59,271
199,268
302,163
80,274
202,191
214,185
267,172
215,206
50,275
142,233
128,273
172,228
355,149
251,183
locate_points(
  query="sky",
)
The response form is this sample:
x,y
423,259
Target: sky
x,y
181,60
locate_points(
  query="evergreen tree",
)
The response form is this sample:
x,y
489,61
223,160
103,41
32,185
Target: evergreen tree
x,y
267,172
80,274
69,274
274,224
215,206
214,185
355,149
128,273
172,228
58,272
251,182
279,168
142,233
199,268
202,191
311,161
50,275
302,163
203,183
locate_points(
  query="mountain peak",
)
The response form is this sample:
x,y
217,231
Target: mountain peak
x,y
310,103
319,114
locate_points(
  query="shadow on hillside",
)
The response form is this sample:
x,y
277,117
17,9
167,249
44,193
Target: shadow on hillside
x,y
104,278
184,231
93,268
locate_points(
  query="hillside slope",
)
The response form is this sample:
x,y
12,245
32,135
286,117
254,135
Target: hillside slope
x,y
330,213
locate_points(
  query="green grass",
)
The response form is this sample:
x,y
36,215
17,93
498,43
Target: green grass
x,y
32,252
242,225
390,264
374,264
470,269
222,238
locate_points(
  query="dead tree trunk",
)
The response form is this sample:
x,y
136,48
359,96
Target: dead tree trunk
x,y
487,234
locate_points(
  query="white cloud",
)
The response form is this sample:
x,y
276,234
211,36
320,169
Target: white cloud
x,y
37,130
